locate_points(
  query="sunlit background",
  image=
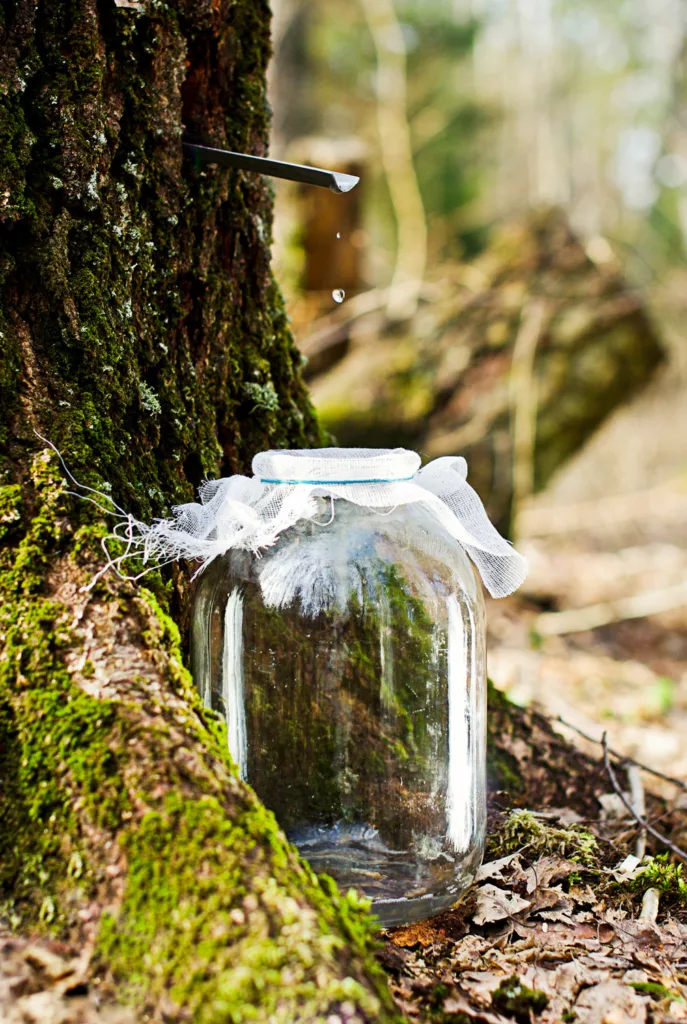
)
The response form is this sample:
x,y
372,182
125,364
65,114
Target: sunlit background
x,y
516,245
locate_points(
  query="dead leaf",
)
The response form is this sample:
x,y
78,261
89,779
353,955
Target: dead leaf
x,y
458,1004
611,1002
546,870
495,868
494,904
565,815
613,806
468,952
627,869
422,933
50,964
479,986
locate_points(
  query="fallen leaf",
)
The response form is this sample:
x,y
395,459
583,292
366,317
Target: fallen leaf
x,y
494,904
551,898
565,815
479,986
546,870
495,868
611,1002
468,952
50,964
613,806
460,1005
627,869
422,933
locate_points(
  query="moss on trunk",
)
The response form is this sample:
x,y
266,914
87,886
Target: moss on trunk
x,y
143,334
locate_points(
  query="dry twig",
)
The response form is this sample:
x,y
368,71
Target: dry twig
x,y
634,777
623,758
641,821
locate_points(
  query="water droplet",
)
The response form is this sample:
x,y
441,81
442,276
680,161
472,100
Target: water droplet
x,y
338,234
338,295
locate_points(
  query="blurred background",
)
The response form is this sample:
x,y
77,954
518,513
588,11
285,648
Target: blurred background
x,y
509,282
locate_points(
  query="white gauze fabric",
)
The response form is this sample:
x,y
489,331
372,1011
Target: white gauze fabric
x,y
251,512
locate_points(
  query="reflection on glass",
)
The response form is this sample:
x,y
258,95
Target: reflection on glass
x,y
348,662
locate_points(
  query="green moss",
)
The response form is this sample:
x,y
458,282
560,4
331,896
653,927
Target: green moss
x,y
522,830
651,988
664,875
218,911
186,905
57,742
518,1001
10,509
135,293
435,1008
502,767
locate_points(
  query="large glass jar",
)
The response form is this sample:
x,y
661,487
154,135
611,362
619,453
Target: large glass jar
x,y
348,660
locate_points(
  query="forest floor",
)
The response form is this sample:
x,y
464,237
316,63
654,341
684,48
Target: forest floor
x,y
555,930
569,920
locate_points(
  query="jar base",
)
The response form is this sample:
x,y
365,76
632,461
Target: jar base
x,y
402,886
395,913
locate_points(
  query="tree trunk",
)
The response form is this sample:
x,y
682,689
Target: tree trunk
x,y
143,335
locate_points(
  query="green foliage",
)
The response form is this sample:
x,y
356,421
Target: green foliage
x,y
445,124
334,69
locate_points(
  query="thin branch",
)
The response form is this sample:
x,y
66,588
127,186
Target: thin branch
x,y
634,777
623,758
637,606
663,840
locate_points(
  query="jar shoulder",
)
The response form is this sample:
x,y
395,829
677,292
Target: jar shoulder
x,y
350,555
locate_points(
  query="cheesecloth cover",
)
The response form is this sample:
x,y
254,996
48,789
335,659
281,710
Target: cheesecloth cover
x,y
251,512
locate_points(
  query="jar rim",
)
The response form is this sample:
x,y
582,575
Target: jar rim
x,y
313,466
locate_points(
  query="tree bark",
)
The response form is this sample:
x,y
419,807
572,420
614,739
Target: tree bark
x,y
142,333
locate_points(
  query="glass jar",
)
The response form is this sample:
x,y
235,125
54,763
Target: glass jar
x,y
348,661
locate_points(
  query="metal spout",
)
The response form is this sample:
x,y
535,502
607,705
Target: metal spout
x,y
333,180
